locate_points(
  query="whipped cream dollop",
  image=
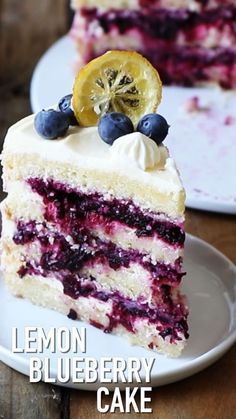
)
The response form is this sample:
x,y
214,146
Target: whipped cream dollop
x,y
140,150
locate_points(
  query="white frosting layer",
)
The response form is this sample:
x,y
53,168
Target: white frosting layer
x,y
83,148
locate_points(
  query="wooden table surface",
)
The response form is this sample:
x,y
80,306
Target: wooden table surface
x,y
211,394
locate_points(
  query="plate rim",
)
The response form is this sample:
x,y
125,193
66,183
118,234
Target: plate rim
x,y
40,64
191,367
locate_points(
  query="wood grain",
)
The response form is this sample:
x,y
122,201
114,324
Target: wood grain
x,y
26,30
217,229
21,399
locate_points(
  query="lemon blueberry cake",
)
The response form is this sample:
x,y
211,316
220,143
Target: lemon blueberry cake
x,y
93,221
188,41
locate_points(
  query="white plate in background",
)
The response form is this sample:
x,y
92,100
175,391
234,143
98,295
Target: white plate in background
x,y
210,286
203,146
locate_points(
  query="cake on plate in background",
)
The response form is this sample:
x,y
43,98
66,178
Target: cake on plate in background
x,y
189,41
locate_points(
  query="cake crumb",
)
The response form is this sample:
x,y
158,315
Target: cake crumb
x,y
229,120
193,105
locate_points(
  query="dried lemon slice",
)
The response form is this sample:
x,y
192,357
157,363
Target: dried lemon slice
x,y
120,81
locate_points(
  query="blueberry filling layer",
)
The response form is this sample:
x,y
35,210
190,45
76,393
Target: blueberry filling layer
x,y
125,312
185,65
170,319
69,256
72,209
161,23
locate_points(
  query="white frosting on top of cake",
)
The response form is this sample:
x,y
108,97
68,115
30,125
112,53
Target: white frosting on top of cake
x,y
84,148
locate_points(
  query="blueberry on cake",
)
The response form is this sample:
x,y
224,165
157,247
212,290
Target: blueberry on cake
x,y
188,41
93,221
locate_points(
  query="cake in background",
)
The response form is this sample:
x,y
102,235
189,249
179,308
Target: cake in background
x,y
93,224
190,42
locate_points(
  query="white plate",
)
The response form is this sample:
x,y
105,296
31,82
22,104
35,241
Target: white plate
x,y
204,148
53,76
210,286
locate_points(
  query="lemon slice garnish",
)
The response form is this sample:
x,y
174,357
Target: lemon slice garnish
x,y
119,81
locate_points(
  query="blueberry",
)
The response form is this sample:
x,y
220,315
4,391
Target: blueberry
x,y
51,124
153,126
64,105
113,125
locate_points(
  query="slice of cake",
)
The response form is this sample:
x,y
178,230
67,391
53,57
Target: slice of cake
x,y
189,42
93,220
